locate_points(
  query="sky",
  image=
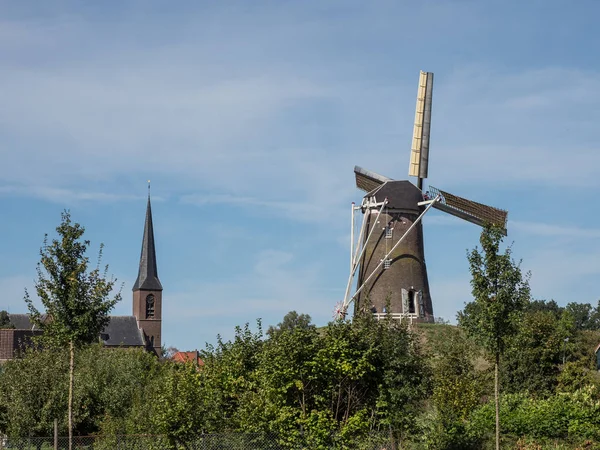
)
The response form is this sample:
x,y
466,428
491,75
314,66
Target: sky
x,y
248,118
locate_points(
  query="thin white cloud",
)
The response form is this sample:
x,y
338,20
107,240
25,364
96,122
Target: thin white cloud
x,y
296,210
272,286
552,230
66,196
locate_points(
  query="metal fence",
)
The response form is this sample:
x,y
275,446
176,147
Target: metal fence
x,y
230,441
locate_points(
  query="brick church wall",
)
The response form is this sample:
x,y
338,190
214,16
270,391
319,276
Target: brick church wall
x,y
12,341
6,344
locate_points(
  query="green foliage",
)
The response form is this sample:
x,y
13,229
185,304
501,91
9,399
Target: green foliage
x,y
581,348
291,321
584,315
348,385
336,385
5,320
500,294
228,379
75,300
533,355
33,392
457,386
34,389
569,416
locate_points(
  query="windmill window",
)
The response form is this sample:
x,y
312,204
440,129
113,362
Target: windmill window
x,y
411,302
150,307
388,232
387,263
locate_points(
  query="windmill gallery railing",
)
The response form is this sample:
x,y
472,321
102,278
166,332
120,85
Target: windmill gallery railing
x,y
396,316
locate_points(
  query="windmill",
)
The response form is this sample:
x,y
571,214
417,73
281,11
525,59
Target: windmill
x,y
388,254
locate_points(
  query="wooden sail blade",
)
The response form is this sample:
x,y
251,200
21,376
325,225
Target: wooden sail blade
x,y
419,155
367,180
469,210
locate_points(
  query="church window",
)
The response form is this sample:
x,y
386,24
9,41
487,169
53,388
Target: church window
x,y
150,307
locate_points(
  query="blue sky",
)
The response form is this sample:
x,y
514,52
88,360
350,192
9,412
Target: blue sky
x,y
249,117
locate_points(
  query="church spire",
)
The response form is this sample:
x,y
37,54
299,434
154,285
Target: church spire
x,y
148,274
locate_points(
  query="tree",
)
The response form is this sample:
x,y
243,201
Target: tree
x,y
583,314
531,361
291,321
34,390
500,294
5,320
76,301
337,385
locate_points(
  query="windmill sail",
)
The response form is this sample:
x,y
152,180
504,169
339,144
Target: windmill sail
x,y
419,156
367,180
469,210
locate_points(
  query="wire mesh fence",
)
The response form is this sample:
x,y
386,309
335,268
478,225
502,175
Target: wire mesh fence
x,y
230,441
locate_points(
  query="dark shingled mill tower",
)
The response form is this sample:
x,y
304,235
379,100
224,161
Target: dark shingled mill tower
x,y
388,254
147,290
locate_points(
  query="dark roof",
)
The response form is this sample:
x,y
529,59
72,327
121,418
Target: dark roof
x,y
122,330
147,278
401,195
21,321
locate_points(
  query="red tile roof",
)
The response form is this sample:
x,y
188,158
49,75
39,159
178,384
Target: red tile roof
x,y
184,357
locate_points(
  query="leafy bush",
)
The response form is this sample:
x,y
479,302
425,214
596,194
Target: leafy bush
x,y
568,416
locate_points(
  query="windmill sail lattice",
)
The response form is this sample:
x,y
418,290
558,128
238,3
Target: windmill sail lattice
x,y
367,180
469,210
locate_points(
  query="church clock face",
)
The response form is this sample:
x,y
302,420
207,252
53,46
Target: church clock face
x,y
150,307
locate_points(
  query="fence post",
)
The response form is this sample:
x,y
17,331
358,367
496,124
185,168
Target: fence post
x,y
55,434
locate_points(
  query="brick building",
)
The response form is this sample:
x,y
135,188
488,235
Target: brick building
x,y
142,329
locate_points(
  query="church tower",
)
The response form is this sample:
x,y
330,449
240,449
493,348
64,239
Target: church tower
x,y
147,290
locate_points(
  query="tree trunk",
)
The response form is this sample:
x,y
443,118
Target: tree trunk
x,y
497,399
70,407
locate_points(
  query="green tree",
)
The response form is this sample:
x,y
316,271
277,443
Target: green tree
x,y
457,386
228,378
500,295
76,301
333,386
582,314
532,359
34,390
5,320
291,321
595,318
543,305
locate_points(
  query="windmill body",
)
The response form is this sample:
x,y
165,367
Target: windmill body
x,y
388,255
401,286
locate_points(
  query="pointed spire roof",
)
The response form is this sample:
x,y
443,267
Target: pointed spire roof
x,y
148,274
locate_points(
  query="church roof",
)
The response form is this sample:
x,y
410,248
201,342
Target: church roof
x,y
122,330
147,278
22,321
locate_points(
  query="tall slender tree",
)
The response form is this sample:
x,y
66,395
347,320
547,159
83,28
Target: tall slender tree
x,y
500,293
76,301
